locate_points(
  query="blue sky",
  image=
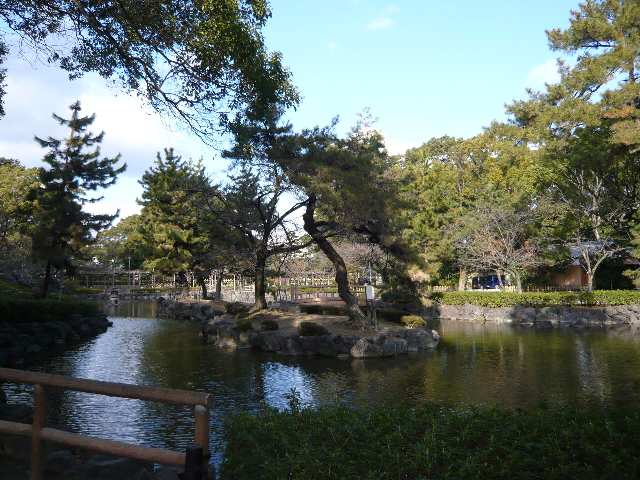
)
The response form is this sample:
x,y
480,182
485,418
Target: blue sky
x,y
424,68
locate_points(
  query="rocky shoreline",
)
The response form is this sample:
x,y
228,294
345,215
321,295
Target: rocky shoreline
x,y
540,317
284,332
24,342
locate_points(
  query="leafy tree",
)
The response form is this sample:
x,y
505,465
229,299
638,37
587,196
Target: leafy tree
x,y
171,223
195,60
255,206
604,34
61,227
16,182
122,243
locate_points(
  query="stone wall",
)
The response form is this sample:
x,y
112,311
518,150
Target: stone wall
x,y
25,342
559,316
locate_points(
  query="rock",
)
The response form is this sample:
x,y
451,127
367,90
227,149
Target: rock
x,y
310,329
364,348
105,467
392,346
380,345
166,473
292,346
60,461
420,339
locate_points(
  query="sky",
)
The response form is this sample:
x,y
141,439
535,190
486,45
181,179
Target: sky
x,y
423,68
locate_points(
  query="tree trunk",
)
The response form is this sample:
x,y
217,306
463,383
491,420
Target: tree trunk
x,y
590,276
203,285
518,279
462,279
342,278
219,286
260,282
44,291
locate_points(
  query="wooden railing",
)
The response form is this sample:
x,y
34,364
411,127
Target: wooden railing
x,y
195,460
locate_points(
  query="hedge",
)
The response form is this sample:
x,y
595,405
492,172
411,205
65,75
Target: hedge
x,y
46,310
538,299
433,442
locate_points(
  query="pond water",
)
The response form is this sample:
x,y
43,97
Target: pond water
x,y
474,364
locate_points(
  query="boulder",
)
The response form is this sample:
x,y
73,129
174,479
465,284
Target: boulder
x,y
420,339
106,467
379,346
60,461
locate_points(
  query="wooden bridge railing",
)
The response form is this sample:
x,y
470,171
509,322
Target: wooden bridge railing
x,y
195,460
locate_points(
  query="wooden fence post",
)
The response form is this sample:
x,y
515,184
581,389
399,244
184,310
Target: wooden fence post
x,y
39,414
201,414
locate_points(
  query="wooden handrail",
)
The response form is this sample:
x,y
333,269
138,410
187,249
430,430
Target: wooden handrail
x,y
111,389
38,432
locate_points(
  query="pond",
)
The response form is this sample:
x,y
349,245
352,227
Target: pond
x,y
475,364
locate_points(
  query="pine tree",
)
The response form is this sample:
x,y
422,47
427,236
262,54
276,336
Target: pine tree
x,y
75,167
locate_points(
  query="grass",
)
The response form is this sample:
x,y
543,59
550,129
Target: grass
x,y
432,442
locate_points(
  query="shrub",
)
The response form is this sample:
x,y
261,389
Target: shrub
x,y
413,321
269,325
243,324
433,442
310,329
538,299
43,310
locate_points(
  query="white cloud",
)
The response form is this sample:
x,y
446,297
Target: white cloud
x,y
130,127
542,74
381,23
332,45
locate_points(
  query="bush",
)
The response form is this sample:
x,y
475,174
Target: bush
x,y
269,325
413,321
310,329
433,442
243,324
538,299
15,309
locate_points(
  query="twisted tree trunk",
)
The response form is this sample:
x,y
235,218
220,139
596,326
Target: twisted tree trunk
x,y
342,278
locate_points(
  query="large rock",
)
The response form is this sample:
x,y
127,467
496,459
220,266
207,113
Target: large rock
x,y
420,339
105,467
379,346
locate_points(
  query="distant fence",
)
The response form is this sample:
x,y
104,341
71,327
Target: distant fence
x,y
195,460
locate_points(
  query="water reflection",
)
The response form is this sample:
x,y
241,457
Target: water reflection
x,y
475,364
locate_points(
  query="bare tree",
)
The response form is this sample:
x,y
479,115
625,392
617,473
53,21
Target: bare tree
x,y
499,239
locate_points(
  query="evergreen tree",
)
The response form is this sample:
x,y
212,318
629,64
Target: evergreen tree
x,y
75,167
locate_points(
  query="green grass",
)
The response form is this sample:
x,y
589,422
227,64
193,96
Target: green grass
x,y
538,299
433,442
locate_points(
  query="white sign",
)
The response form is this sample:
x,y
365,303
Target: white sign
x,y
369,292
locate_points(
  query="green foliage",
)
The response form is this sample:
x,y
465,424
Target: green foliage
x,y
16,309
538,299
198,61
310,329
433,442
61,226
413,321
16,182
122,244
